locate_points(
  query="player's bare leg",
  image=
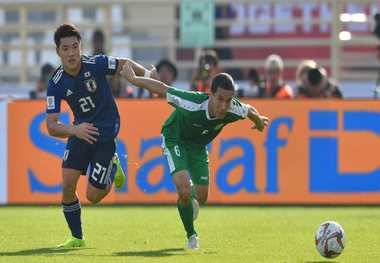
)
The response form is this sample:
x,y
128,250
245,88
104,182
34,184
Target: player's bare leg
x,y
95,195
70,179
201,193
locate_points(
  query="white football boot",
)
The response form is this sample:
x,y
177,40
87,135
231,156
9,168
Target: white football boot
x,y
193,242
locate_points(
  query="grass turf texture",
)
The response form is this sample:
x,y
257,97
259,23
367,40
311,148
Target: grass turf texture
x,y
155,234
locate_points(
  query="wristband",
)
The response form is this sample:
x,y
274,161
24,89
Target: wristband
x,y
147,74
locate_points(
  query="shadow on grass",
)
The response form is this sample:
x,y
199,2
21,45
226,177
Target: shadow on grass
x,y
323,261
151,253
39,251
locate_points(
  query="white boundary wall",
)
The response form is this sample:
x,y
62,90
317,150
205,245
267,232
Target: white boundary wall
x,y
3,151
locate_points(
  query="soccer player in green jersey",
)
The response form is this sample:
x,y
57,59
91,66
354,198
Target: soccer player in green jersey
x,y
197,119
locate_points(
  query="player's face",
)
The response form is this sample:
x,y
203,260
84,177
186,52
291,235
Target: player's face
x,y
221,101
69,51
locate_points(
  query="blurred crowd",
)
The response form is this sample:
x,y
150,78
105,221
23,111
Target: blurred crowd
x,y
311,80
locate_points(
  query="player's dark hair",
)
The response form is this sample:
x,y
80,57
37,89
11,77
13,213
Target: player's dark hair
x,y
222,81
66,30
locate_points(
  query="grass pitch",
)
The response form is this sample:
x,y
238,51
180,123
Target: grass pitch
x,y
155,234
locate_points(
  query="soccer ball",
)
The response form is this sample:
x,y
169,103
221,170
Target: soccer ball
x,y
330,239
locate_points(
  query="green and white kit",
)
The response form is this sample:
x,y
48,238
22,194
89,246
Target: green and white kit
x,y
190,128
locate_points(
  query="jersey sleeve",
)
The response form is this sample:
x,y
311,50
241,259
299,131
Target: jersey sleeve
x,y
179,98
106,64
238,110
53,98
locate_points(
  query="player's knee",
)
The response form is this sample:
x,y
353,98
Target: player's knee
x,y
94,199
184,191
68,188
202,199
184,195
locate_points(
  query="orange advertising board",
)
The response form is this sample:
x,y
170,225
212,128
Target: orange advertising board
x,y
313,152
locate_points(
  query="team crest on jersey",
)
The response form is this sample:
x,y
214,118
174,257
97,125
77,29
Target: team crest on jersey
x,y
91,85
87,74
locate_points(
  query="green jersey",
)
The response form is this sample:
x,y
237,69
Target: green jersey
x,y
191,122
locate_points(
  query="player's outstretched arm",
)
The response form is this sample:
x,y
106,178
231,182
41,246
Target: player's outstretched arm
x,y
259,121
85,131
137,68
150,84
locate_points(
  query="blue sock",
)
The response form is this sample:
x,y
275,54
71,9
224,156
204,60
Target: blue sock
x,y
72,213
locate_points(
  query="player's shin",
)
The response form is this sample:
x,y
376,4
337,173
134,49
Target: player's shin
x,y
72,212
194,202
186,214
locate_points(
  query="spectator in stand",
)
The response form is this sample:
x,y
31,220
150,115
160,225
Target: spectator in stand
x,y
98,43
320,86
254,84
274,85
208,67
167,73
222,32
303,68
40,91
118,86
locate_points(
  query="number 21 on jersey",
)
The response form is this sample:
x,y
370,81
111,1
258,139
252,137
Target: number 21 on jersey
x,y
86,104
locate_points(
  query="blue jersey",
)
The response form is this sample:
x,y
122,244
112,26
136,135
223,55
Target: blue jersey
x,y
88,94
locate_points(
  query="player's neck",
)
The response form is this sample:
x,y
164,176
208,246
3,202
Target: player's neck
x,y
73,72
211,108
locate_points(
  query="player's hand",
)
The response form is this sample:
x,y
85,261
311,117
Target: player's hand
x,y
153,72
128,73
86,131
261,123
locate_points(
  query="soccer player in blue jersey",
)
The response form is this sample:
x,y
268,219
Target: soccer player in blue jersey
x,y
81,82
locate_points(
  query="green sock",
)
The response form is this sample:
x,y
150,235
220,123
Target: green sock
x,y
186,214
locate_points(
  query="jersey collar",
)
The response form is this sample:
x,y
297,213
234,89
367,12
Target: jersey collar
x,y
207,111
